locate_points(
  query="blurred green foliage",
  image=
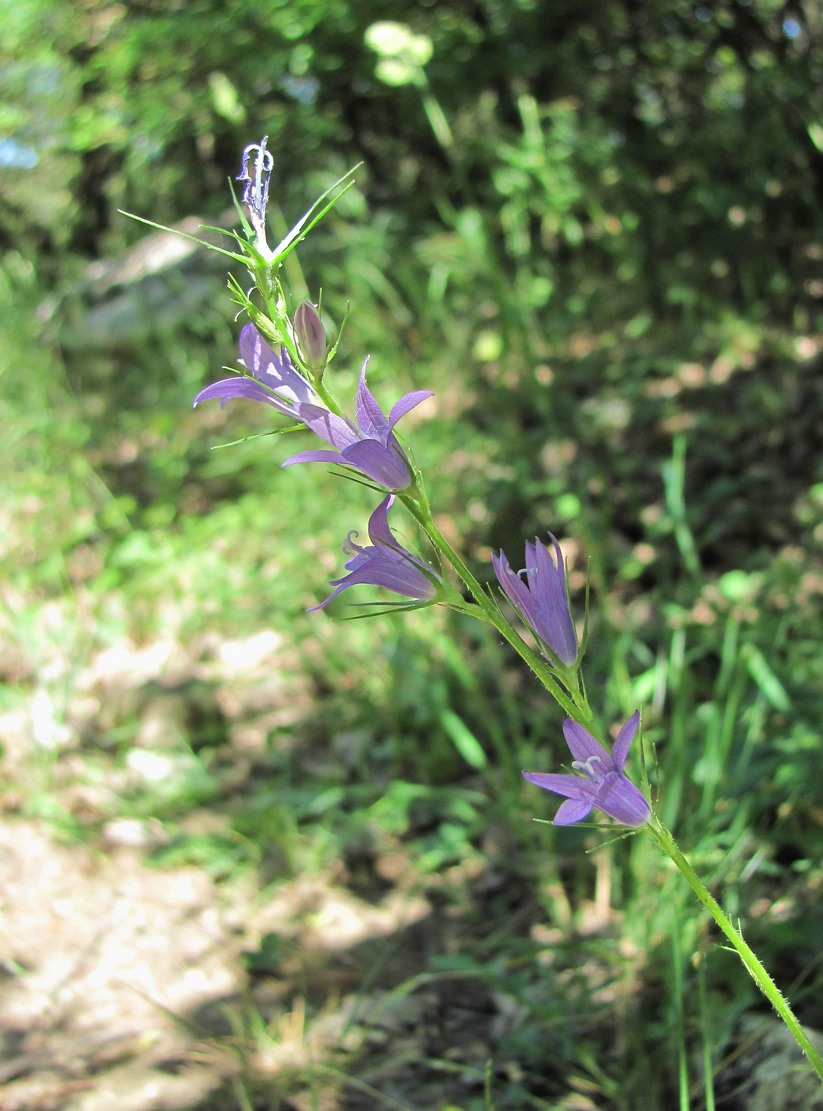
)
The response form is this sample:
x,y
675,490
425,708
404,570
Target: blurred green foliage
x,y
595,230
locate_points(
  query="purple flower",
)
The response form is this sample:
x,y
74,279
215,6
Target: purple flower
x,y
274,380
541,601
369,446
602,783
385,563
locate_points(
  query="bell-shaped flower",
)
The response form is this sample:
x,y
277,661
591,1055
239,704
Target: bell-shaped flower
x,y
385,563
369,446
601,784
274,379
542,600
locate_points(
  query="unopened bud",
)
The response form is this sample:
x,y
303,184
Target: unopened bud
x,y
311,337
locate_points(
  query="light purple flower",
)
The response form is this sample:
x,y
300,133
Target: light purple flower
x,y
274,380
541,600
602,783
369,446
385,563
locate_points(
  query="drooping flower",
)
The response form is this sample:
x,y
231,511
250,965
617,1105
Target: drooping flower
x,y
541,600
602,783
274,380
385,563
369,446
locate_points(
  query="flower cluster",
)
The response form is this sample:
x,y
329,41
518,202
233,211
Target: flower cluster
x,y
284,368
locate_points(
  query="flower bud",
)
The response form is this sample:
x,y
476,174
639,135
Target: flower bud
x,y
310,336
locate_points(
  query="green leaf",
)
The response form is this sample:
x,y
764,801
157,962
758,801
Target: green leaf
x,y
463,739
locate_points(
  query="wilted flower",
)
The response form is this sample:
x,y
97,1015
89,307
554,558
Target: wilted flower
x,y
275,380
541,601
370,446
602,783
385,563
310,336
256,173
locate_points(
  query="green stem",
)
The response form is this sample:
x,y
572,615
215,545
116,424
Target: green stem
x,y
574,703
758,973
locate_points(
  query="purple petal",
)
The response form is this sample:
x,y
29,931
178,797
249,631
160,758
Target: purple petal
x,y
386,542
620,750
406,404
549,592
229,388
273,370
572,810
370,417
325,602
396,574
385,563
379,530
541,601
255,352
570,786
620,799
335,430
321,455
513,586
384,465
584,746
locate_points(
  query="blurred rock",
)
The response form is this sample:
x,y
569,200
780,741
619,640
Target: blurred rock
x,y
162,281
770,1073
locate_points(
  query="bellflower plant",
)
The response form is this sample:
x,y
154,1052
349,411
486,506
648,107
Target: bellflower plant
x,y
602,784
292,382
385,563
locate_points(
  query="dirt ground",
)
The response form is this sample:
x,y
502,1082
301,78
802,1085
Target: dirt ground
x,y
134,983
120,979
